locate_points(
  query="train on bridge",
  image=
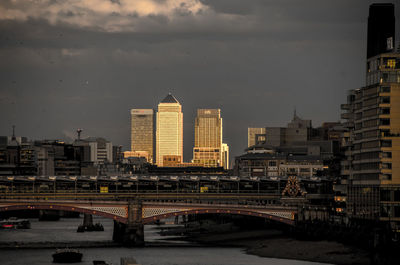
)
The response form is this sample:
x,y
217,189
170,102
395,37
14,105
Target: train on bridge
x,y
150,183
135,200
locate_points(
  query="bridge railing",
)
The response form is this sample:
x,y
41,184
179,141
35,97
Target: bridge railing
x,y
257,198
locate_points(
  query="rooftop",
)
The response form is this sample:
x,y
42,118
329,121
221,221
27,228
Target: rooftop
x,y
169,99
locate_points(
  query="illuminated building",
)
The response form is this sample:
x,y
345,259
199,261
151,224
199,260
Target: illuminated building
x,y
142,133
255,136
372,164
131,154
225,156
208,138
169,136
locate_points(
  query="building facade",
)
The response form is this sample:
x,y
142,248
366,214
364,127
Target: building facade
x,y
207,149
169,135
142,133
278,162
225,155
297,130
372,165
255,136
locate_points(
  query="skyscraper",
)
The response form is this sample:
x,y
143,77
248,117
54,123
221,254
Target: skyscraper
x,y
372,167
225,155
381,29
142,133
169,136
208,138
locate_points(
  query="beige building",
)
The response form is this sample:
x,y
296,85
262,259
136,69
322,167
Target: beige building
x,y
225,155
142,133
169,136
208,138
255,136
145,154
372,167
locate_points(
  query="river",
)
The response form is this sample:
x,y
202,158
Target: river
x,y
176,252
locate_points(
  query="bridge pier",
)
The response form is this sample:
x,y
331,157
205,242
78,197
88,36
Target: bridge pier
x,y
132,233
87,220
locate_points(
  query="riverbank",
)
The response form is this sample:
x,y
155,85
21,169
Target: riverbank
x,y
52,245
274,244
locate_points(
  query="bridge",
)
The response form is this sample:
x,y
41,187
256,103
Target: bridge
x,y
132,208
131,215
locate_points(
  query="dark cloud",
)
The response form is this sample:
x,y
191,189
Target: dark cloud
x,y
256,60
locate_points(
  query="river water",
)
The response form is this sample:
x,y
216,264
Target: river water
x,y
176,252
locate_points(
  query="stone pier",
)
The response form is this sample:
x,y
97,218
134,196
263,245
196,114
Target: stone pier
x,y
131,234
87,220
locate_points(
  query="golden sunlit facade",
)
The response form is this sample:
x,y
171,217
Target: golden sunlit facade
x,y
208,138
255,135
373,154
225,155
169,136
142,133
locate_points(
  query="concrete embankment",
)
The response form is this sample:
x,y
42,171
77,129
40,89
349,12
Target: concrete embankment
x,y
43,245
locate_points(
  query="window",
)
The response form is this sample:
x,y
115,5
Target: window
x,y
391,63
385,195
384,211
385,89
272,163
387,165
387,155
397,195
386,143
396,211
385,111
385,122
385,100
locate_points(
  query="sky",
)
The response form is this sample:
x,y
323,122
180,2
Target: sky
x,y
68,64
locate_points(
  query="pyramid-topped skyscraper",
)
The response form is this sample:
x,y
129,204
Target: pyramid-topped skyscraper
x,y
169,136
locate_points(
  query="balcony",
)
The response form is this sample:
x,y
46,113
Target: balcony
x,y
388,134
348,124
346,115
344,106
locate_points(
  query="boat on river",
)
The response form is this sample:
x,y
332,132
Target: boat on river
x,y
15,223
67,255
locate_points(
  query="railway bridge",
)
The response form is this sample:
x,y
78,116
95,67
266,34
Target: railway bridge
x,y
133,201
130,213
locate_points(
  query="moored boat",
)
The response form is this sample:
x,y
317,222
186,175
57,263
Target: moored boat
x,y
14,222
67,255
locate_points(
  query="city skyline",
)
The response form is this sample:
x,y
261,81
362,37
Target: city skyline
x,y
66,72
315,179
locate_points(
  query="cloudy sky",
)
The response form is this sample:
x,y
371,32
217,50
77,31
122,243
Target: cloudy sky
x,y
68,64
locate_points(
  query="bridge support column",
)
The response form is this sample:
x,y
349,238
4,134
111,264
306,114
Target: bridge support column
x,y
132,233
87,220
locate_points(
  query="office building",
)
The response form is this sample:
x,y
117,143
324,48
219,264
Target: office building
x,y
372,165
57,158
225,155
142,133
208,138
169,135
297,130
101,150
381,29
17,156
255,136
